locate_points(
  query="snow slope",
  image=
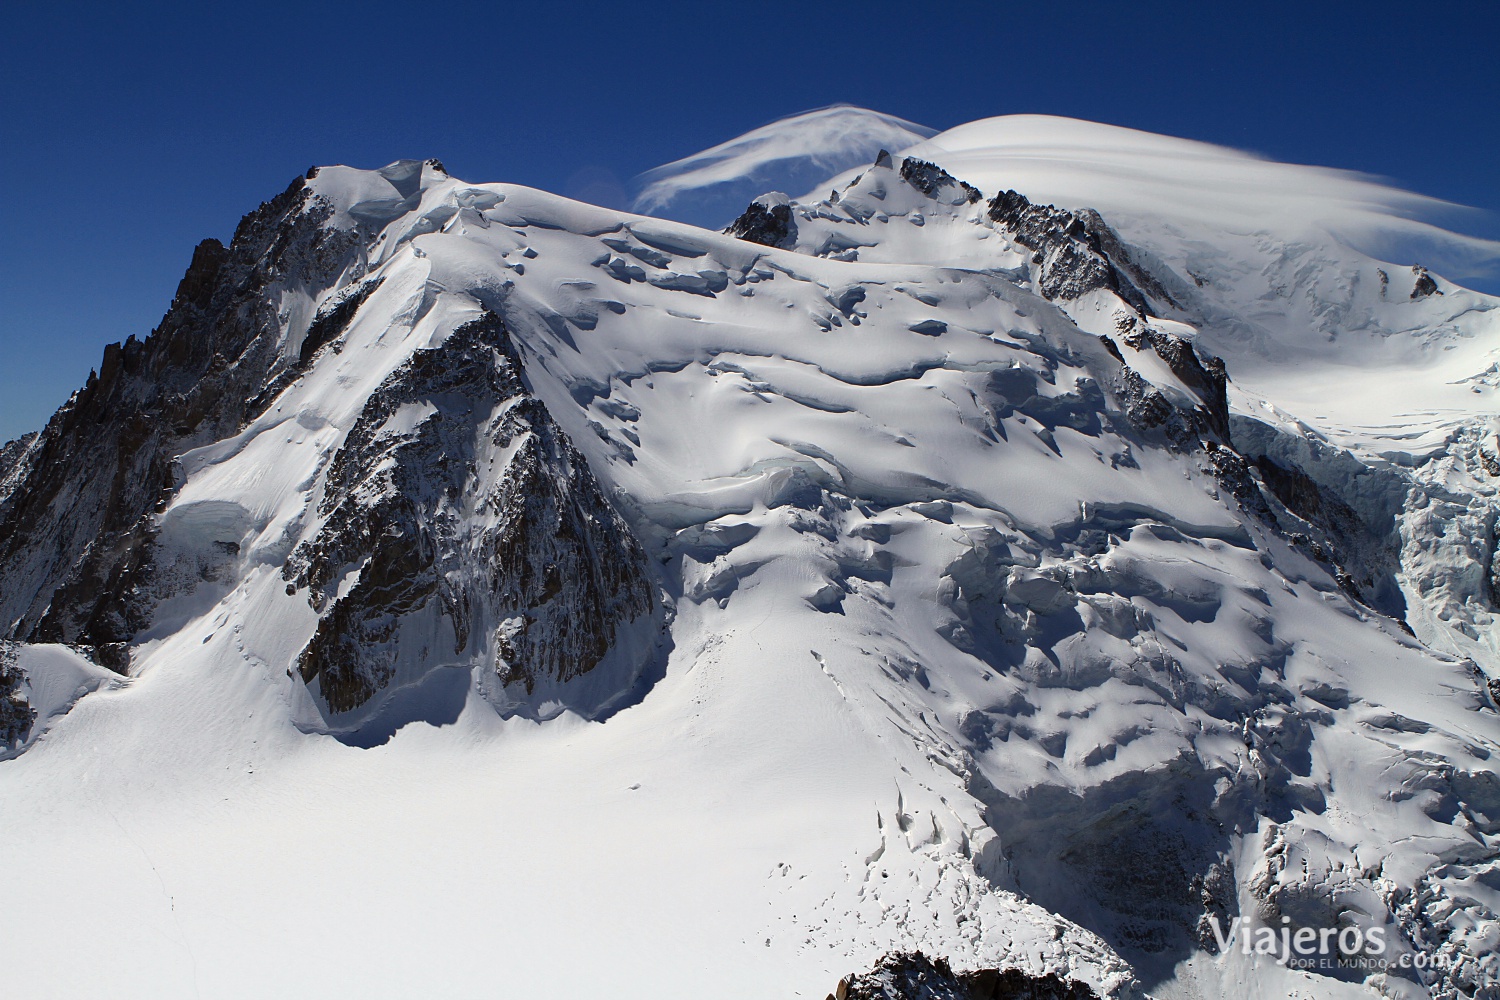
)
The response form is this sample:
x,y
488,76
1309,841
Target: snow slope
x,y
986,624
1278,269
1278,265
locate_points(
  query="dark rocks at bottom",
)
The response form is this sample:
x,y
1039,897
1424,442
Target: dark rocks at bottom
x,y
914,976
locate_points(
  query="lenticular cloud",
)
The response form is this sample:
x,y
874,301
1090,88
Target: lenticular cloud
x,y
711,187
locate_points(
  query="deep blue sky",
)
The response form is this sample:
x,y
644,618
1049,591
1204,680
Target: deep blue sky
x,y
129,132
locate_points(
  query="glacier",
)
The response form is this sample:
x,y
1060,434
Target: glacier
x,y
1037,549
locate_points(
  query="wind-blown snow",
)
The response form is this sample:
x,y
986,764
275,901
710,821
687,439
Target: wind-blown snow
x,y
712,187
1279,266
1128,174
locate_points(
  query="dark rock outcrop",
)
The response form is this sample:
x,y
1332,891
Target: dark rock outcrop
x,y
769,224
1233,474
1336,508
1492,578
481,514
16,715
1069,249
914,976
1205,375
931,179
1123,257
1012,984
75,530
12,452
1301,495
1490,463
1425,285
333,319
1148,409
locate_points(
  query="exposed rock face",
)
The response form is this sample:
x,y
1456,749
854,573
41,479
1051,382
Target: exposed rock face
x,y
1301,494
1183,428
1494,559
1076,253
1342,512
73,549
1125,259
768,221
914,976
1147,408
16,715
1490,463
1069,251
14,463
332,320
1425,285
459,500
1205,375
1233,473
931,179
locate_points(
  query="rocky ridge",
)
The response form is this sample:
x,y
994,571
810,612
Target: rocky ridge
x,y
74,552
16,713
916,977
550,580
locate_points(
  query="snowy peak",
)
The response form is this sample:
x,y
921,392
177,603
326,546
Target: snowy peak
x,y
72,551
1280,266
374,197
1071,256
1080,164
792,154
398,569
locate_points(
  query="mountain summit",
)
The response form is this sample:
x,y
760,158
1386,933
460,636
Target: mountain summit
x,y
793,154
925,574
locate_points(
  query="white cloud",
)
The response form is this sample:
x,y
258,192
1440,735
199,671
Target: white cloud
x,y
822,142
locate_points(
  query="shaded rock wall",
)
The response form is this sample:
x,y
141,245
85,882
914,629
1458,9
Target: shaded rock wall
x,y
481,513
75,536
914,976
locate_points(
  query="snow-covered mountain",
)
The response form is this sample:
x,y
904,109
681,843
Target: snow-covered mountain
x,y
793,154
467,589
